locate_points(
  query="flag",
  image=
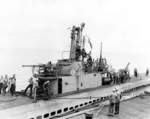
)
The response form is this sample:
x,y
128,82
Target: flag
x,y
89,41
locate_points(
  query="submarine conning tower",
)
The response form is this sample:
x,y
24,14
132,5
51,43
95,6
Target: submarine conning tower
x,y
79,58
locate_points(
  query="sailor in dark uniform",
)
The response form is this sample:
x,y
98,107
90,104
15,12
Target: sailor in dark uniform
x,y
1,84
84,54
147,72
112,103
117,101
30,86
13,85
78,52
46,88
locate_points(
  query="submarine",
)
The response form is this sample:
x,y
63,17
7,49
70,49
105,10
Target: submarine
x,y
71,84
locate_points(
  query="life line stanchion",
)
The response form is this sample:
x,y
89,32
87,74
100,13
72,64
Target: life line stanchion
x,y
100,108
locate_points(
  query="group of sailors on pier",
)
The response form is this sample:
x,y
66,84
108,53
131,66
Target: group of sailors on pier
x,y
114,102
7,84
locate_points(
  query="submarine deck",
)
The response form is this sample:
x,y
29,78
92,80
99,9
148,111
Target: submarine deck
x,y
8,101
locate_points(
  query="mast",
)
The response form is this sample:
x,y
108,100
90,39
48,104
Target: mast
x,y
73,44
100,59
81,35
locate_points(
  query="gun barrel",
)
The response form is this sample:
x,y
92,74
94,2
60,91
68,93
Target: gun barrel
x,y
127,66
32,65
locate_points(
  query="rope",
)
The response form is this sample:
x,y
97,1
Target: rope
x,y
80,98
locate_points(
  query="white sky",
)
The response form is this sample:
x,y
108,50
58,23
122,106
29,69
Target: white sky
x,y
35,31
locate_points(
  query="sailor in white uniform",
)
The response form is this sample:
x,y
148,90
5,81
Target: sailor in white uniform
x,y
35,86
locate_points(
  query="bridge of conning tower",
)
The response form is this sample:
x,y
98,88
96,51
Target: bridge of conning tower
x,y
79,54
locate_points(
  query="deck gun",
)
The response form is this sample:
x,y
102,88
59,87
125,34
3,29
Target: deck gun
x,y
40,65
43,70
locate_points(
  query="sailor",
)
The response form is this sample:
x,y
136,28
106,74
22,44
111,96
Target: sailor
x,y
78,51
35,87
13,85
5,84
89,62
49,67
118,78
1,84
46,87
113,78
112,103
29,86
9,84
135,72
84,54
117,101
49,64
147,72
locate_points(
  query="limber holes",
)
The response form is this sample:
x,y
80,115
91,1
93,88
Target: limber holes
x,y
46,115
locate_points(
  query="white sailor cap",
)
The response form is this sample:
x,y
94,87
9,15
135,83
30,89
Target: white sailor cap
x,y
115,89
